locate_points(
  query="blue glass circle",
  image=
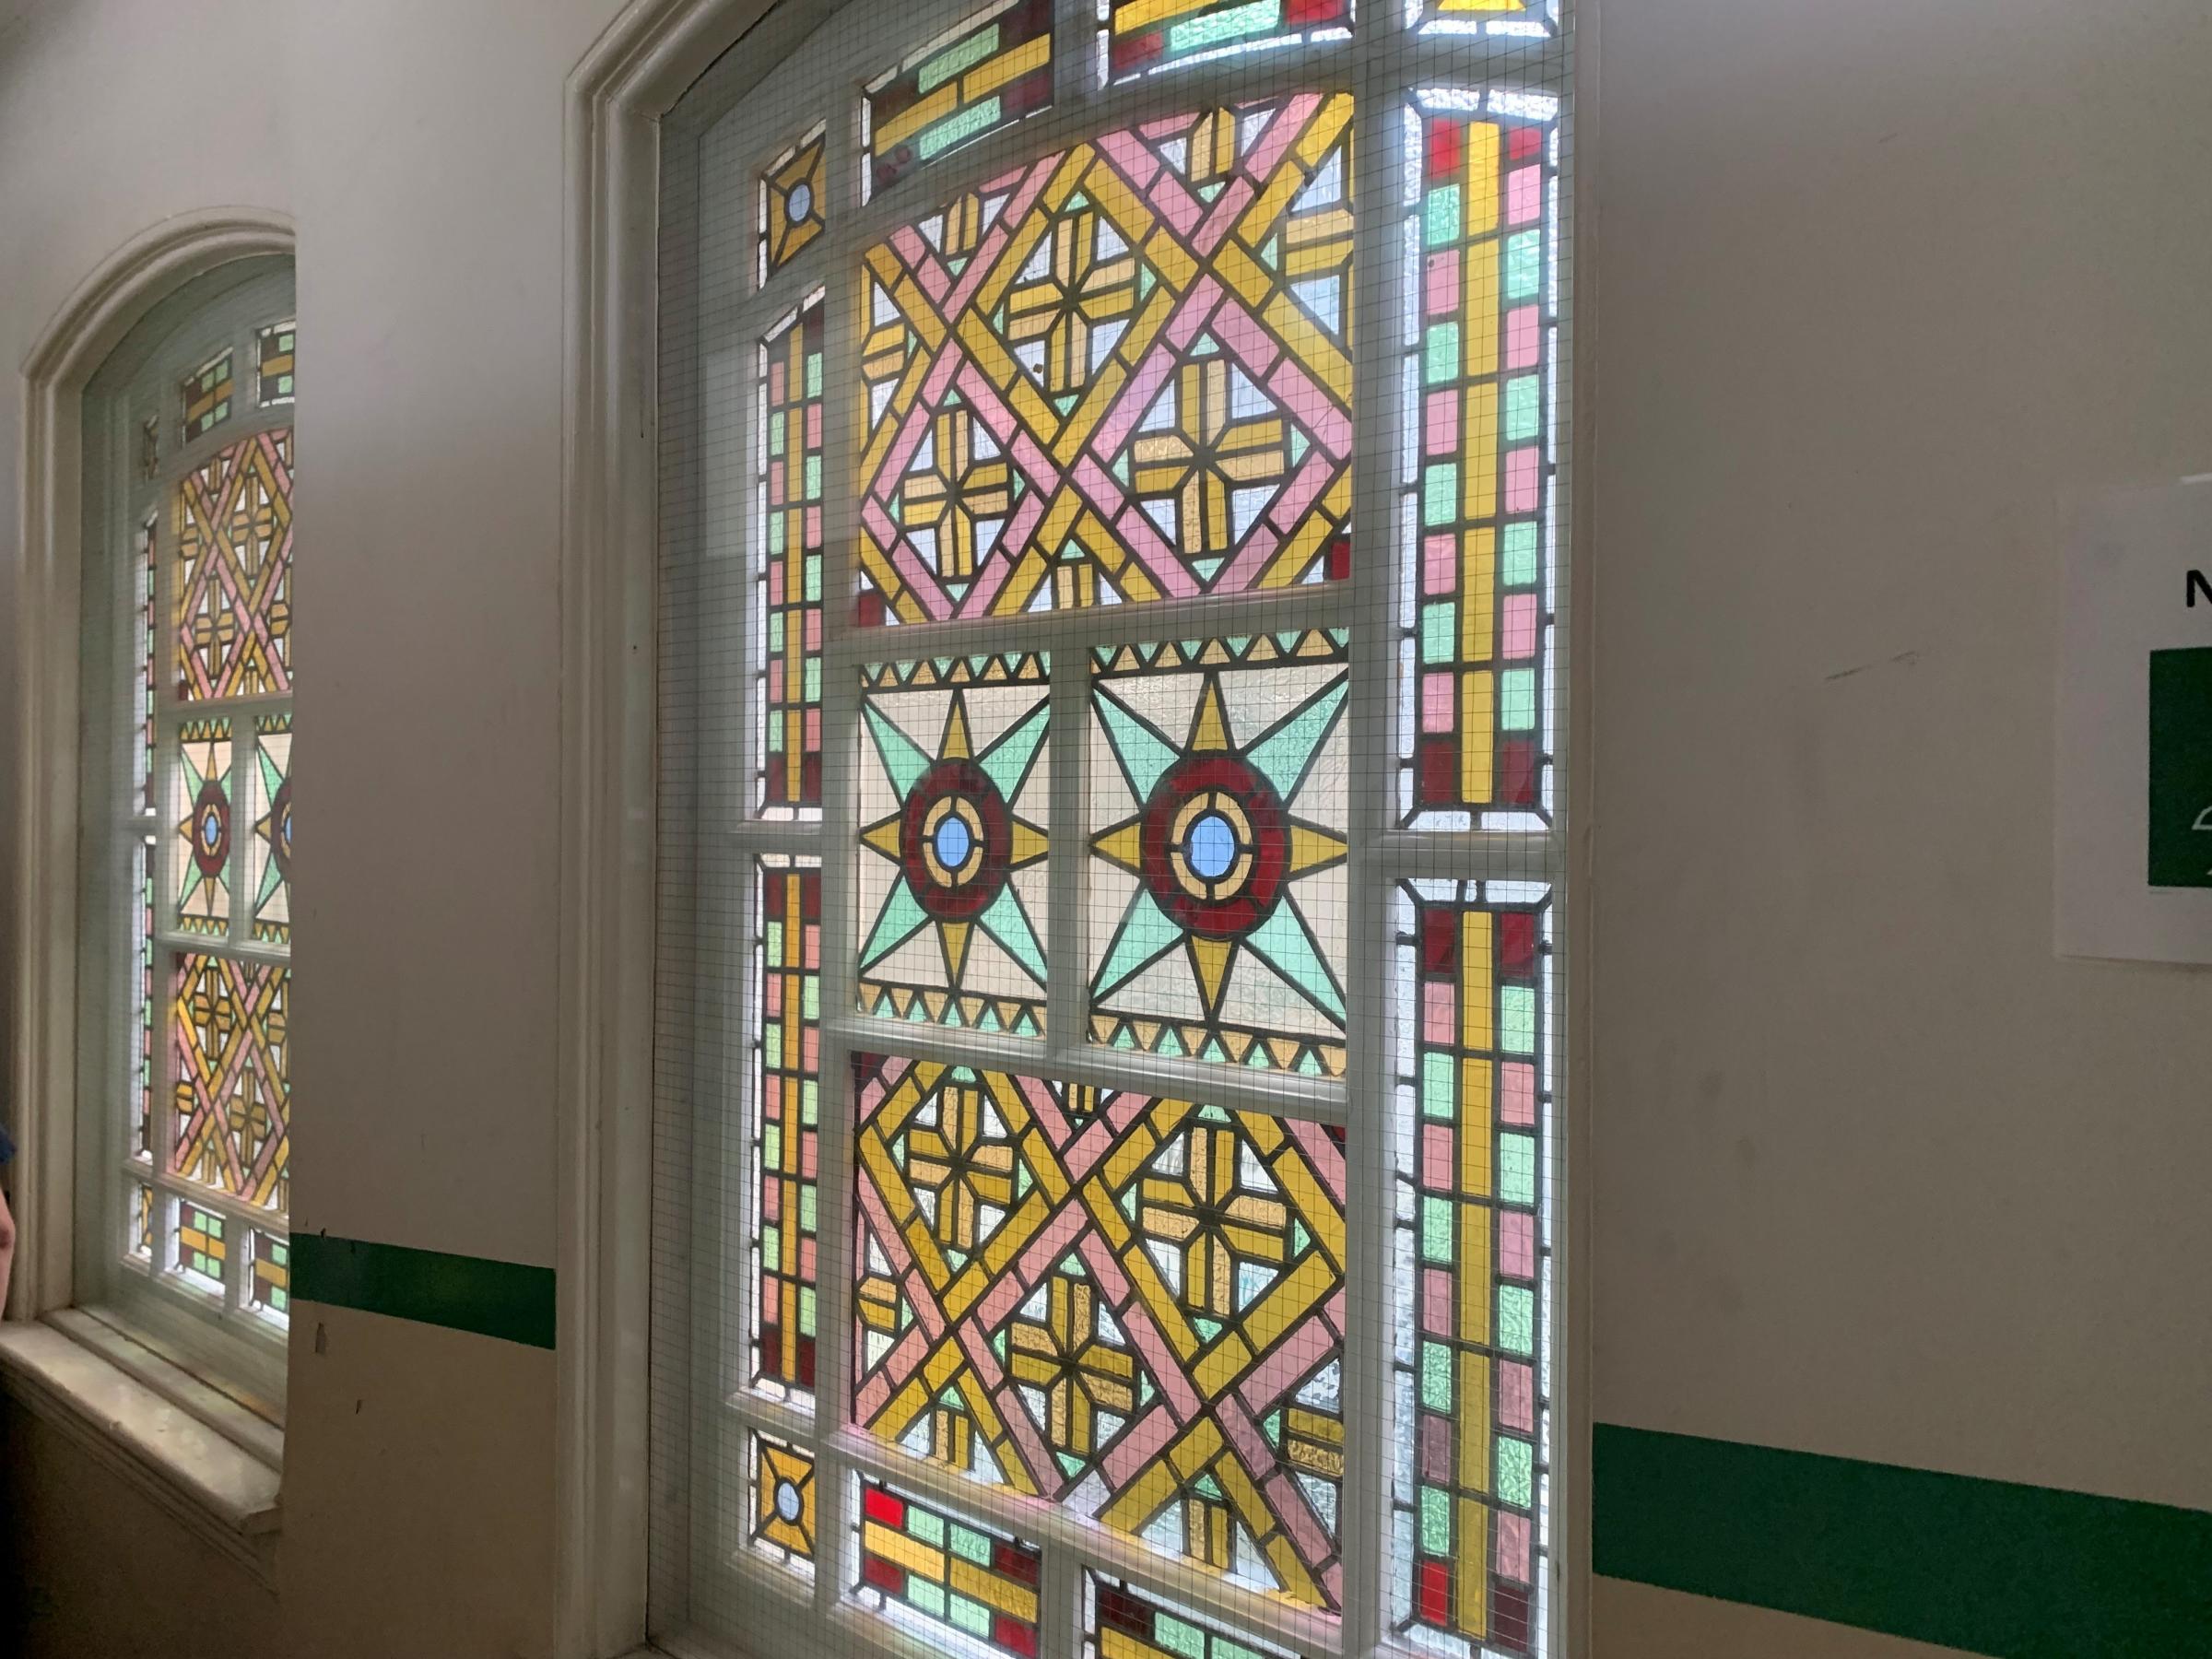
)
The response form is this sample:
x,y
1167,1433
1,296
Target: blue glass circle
x,y
211,828
953,841
1211,847
787,1501
799,202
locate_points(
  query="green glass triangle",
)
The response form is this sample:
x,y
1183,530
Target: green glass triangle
x,y
1027,1025
1170,1043
1272,1426
1023,1181
1300,444
1308,1065
1146,934
1064,404
900,920
1271,254
1004,922
1205,569
998,1344
1143,753
1121,469
1122,1040
1301,1240
901,760
1285,943
1284,753
1070,1462
1213,1050
989,1022
1007,763
1146,281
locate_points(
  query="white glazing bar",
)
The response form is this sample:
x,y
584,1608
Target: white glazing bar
x,y
1378,150
834,1495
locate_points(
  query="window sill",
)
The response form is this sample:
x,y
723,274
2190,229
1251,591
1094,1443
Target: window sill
x,y
201,1457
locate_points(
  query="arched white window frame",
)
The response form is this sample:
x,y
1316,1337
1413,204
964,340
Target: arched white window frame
x,y
231,1484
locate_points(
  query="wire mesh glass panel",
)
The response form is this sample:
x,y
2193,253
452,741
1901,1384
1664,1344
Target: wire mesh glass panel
x,y
1118,445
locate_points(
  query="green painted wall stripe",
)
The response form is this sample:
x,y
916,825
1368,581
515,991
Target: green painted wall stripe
x,y
462,1293
2018,1572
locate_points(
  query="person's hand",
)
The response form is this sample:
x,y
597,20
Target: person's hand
x,y
7,1250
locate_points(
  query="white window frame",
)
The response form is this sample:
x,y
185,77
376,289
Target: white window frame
x,y
114,1393
633,75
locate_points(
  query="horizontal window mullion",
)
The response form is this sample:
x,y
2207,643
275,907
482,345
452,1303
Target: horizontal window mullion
x,y
230,1209
1206,1082
774,835
1320,605
218,945
1466,855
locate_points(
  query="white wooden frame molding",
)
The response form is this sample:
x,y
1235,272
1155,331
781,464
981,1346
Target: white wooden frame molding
x,y
631,79
72,346
615,96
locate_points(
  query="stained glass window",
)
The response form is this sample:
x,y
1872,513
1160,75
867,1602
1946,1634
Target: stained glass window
x,y
1150,34
1130,1307
207,396
1119,372
939,1570
273,356
783,1503
787,1115
233,572
1474,963
968,82
1478,563
186,793
789,618
1124,1621
1142,425
794,191
1219,818
955,808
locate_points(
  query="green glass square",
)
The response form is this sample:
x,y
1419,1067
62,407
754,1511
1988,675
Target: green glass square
x,y
1516,1472
1517,563
1436,1523
1440,353
1517,1019
971,1617
921,1524
925,1595
810,996
1520,408
1517,1169
1439,633
1524,265
1441,219
970,1544
1517,1318
2181,767
1439,494
1177,1636
1517,700
1438,1097
1436,1377
1436,1230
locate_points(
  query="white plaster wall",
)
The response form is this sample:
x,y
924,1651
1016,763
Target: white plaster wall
x,y
1881,287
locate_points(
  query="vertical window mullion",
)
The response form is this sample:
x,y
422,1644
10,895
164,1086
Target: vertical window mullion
x,y
1379,285
834,1497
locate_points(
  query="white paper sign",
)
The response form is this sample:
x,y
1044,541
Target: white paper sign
x,y
2134,729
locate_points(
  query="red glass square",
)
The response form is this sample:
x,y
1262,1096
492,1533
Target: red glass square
x,y
1014,1637
1432,1593
886,1576
868,609
1509,1613
1444,151
1014,1562
1523,142
1313,14
806,1358
1340,565
1440,941
810,778
1517,773
773,784
883,1506
1517,942
772,1350
1437,771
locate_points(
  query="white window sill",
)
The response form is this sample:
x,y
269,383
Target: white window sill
x,y
200,1456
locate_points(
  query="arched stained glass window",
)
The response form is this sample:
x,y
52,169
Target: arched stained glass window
x,y
186,780
1113,556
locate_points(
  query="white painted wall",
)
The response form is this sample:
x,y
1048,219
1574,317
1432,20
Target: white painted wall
x,y
1881,287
